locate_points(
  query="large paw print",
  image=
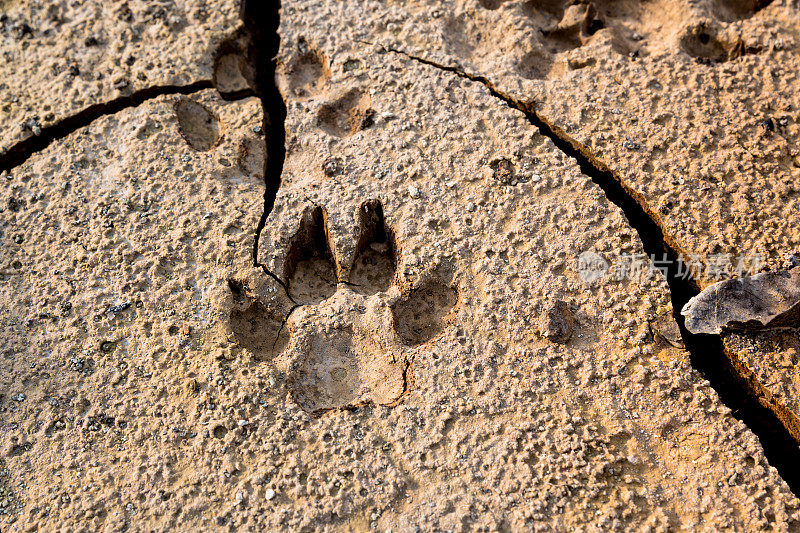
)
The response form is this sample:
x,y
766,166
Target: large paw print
x,y
351,338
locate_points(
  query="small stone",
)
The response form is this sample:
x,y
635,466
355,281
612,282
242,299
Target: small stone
x,y
119,307
33,125
107,346
413,191
556,323
502,170
332,166
269,494
351,65
19,397
470,207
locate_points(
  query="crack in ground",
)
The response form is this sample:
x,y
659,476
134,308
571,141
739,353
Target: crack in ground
x,y
23,150
261,20
707,355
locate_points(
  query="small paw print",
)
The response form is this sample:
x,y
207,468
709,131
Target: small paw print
x,y
350,340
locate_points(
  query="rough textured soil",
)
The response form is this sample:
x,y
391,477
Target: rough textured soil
x,y
377,290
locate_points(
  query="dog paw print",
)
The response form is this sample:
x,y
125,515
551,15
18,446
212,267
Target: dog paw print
x,y
352,337
233,75
198,125
707,44
734,10
347,114
306,73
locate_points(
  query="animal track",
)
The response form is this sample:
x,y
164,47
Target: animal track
x,y
376,251
309,270
535,65
347,367
307,73
198,126
423,314
252,157
566,25
348,341
733,10
254,326
233,74
491,4
347,114
702,42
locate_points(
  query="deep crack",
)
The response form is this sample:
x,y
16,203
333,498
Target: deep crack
x,y
23,150
706,351
261,20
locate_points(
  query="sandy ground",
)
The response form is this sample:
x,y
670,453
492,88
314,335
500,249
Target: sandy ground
x,y
427,327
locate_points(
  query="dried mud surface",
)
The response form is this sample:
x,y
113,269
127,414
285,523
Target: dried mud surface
x,y
60,58
415,341
691,104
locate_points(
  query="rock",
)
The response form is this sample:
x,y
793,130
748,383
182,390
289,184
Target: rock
x,y
767,300
556,323
269,494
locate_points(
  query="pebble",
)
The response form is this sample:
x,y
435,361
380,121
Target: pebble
x,y
107,346
269,494
19,397
34,125
119,307
413,191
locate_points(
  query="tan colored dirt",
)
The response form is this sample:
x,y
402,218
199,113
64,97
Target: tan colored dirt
x,y
692,105
767,360
448,347
61,57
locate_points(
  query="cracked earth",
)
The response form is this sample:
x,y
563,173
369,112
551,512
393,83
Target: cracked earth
x,y
326,265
